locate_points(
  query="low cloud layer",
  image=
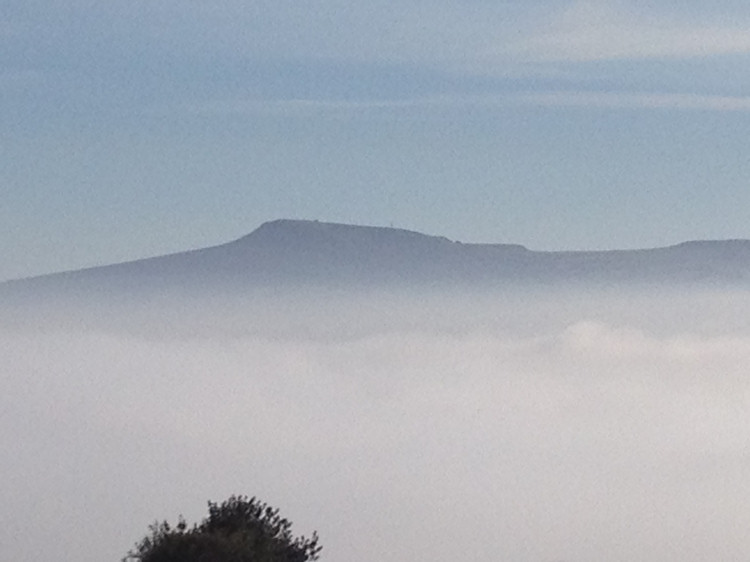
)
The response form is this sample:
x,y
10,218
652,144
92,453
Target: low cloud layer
x,y
538,427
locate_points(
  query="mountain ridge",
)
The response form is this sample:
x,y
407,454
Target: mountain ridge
x,y
294,252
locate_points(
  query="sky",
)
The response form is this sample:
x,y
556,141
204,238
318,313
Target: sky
x,y
132,129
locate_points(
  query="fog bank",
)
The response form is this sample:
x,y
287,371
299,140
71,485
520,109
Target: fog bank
x,y
524,426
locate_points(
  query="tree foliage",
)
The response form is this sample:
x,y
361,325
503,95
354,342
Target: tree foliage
x,y
237,530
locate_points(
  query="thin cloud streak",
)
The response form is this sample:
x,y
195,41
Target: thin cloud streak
x,y
625,100
594,100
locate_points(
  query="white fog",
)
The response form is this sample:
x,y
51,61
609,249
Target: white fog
x,y
521,426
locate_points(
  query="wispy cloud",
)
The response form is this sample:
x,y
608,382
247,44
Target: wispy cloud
x,y
626,100
582,99
298,105
497,40
593,30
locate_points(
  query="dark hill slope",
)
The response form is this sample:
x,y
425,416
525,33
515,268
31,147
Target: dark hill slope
x,y
291,253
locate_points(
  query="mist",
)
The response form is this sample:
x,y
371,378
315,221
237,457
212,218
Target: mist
x,y
522,425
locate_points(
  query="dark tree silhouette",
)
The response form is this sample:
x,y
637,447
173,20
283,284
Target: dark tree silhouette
x,y
238,530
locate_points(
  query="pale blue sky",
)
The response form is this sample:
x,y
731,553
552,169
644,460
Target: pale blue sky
x,y
135,128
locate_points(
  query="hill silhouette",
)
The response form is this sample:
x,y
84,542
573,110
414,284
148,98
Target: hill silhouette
x,y
293,253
